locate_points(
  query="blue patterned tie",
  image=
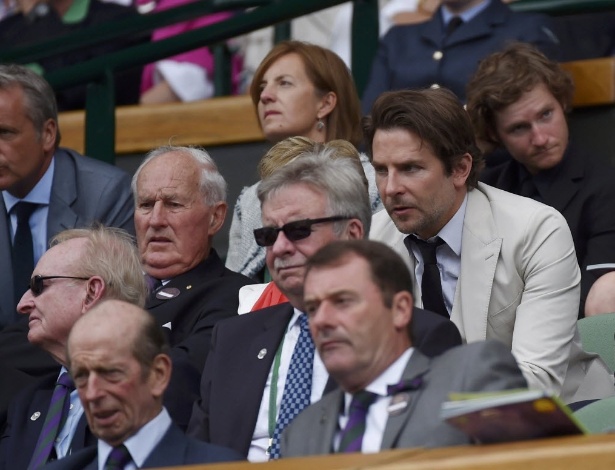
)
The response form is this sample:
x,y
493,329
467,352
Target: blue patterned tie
x,y
118,458
56,416
298,387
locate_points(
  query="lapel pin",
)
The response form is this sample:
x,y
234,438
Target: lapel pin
x,y
167,293
35,416
262,353
189,287
398,404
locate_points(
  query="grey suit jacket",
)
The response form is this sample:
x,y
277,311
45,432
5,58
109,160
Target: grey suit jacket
x,y
84,190
519,284
482,366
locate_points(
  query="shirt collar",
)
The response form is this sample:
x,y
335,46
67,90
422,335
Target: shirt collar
x,y
390,376
452,232
142,443
40,194
466,15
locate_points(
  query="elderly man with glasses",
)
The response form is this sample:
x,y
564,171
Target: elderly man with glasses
x,y
82,268
262,369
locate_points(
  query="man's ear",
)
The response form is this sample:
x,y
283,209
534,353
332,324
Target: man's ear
x,y
354,230
160,374
461,170
49,134
402,309
218,214
94,291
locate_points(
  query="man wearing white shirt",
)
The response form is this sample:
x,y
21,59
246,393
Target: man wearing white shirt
x,y
360,311
121,381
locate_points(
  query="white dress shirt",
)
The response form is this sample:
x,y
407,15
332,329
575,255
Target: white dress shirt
x,y
377,415
260,438
141,444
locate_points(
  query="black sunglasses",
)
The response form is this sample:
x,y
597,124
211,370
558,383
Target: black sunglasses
x,y
37,286
297,230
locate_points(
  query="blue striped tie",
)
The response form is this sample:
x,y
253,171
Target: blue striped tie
x,y
56,416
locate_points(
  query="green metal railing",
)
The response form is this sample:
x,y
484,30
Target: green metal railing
x,y
98,72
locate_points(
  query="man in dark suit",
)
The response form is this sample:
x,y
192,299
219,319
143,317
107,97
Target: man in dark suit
x,y
357,298
445,51
306,204
65,189
180,206
517,101
82,267
121,381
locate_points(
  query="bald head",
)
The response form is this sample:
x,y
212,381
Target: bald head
x,y
601,297
117,359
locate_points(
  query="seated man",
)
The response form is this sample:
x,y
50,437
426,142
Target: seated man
x,y
262,369
517,102
359,307
180,206
82,267
501,266
445,50
121,380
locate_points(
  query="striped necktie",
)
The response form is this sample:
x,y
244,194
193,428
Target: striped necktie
x,y
118,458
56,417
351,438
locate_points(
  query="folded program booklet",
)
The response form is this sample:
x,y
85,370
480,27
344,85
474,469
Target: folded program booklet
x,y
511,415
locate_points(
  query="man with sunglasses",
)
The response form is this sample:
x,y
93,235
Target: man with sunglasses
x,y
82,268
262,369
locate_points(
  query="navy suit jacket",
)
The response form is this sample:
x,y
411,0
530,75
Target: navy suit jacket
x,y
583,191
234,376
84,190
174,449
419,55
21,432
207,293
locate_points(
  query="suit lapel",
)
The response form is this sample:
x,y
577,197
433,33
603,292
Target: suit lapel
x,y
328,413
480,250
481,25
567,183
417,366
170,451
7,303
63,195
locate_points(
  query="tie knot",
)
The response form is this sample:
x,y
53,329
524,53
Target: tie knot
x,y
153,283
361,401
23,210
118,458
427,249
453,24
66,380
303,322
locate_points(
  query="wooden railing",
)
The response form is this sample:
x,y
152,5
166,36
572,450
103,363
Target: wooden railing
x,y
231,120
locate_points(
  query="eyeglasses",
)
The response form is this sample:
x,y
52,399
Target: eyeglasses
x,y
298,230
37,286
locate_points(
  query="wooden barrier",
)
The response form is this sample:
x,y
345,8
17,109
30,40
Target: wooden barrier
x,y
566,453
594,81
231,119
213,122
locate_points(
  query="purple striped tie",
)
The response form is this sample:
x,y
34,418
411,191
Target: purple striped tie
x,y
56,416
351,439
118,458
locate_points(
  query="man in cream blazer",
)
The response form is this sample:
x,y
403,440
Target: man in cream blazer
x,y
508,265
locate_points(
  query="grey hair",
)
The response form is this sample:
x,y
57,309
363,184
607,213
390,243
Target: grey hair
x,y
40,101
212,183
110,253
340,179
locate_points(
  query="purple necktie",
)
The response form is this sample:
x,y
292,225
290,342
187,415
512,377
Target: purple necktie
x,y
118,458
56,416
351,438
